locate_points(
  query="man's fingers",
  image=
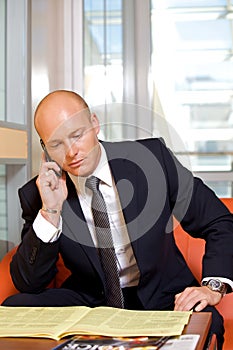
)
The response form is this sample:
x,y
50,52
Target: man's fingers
x,y
196,298
200,305
190,299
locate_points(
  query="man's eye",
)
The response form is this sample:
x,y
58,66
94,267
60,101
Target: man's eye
x,y
55,145
77,136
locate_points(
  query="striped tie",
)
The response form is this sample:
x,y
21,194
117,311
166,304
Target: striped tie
x,y
106,250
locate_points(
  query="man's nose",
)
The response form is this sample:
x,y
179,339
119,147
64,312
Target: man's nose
x,y
72,149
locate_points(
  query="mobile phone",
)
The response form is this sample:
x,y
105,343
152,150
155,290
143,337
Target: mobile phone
x,y
49,159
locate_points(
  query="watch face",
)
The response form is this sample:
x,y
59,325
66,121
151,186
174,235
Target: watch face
x,y
215,284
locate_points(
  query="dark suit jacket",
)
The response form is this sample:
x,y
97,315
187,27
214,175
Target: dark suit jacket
x,y
153,186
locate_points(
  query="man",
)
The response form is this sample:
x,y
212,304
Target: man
x,y
143,186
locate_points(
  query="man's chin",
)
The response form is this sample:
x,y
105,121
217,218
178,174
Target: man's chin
x,y
79,171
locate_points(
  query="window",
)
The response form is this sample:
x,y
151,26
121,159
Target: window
x,y
2,59
103,56
3,216
14,103
192,65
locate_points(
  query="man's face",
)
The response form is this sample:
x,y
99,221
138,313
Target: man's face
x,y
71,140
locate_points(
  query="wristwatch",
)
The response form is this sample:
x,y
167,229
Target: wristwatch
x,y
216,285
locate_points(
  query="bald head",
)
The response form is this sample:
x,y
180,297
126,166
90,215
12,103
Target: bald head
x,y
56,105
69,132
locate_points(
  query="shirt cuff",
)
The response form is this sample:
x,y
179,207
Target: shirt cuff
x,y
222,279
46,231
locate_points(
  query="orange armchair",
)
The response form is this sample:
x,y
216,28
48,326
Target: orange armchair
x,y
7,287
191,248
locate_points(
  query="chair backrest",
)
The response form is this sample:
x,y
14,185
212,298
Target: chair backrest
x,y
193,250
7,287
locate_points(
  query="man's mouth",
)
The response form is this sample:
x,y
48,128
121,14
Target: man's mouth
x,y
76,163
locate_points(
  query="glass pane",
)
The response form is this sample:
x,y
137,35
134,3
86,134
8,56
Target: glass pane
x,y
3,213
103,52
223,189
16,60
2,59
189,3
192,69
203,35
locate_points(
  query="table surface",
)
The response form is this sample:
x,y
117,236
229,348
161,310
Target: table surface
x,y
199,324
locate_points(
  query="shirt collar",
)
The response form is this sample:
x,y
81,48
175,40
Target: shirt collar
x,y
102,171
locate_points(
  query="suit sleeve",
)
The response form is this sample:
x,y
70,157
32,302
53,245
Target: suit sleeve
x,y
34,264
202,214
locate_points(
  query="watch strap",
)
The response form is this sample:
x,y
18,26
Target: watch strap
x,y
216,285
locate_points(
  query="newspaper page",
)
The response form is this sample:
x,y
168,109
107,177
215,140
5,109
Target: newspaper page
x,y
120,322
48,322
57,322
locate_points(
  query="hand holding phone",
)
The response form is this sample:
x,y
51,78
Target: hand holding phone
x,y
52,187
49,159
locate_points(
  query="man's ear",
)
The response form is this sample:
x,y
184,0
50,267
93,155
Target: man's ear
x,y
95,123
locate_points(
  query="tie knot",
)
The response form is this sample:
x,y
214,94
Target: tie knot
x,y
93,183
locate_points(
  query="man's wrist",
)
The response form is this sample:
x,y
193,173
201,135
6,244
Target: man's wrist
x,y
216,285
51,210
45,230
